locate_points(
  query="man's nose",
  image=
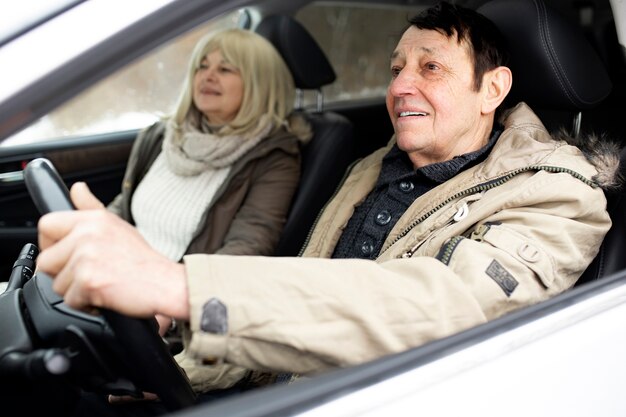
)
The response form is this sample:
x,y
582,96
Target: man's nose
x,y
405,83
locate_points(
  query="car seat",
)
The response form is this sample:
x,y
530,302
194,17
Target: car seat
x,y
327,155
612,255
556,71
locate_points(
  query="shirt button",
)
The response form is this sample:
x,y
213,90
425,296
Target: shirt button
x,y
367,247
406,186
383,218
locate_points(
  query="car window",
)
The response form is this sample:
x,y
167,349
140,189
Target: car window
x,y
140,93
131,98
21,17
358,39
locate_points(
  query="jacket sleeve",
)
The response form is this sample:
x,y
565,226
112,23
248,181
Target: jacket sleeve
x,y
307,315
259,221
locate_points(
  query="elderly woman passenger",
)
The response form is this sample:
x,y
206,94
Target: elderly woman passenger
x,y
218,175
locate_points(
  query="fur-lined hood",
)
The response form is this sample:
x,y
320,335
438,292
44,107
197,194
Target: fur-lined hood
x,y
602,155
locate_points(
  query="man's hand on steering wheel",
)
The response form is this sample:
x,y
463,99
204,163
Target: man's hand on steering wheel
x,y
99,260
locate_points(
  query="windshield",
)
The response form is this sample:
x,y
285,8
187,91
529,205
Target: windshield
x,y
22,16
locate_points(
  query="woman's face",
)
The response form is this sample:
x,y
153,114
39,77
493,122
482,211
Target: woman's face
x,y
217,89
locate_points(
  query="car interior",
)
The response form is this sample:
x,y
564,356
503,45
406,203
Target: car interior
x,y
560,89
331,149
581,89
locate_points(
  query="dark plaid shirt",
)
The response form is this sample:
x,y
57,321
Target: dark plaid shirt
x,y
398,186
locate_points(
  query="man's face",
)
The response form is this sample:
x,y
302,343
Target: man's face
x,y
435,112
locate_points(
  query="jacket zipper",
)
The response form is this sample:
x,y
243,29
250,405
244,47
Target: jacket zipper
x,y
446,251
483,187
319,214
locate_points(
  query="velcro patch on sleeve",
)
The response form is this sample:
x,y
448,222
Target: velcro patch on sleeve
x,y
214,317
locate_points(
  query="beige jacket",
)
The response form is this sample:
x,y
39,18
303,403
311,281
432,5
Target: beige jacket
x,y
511,231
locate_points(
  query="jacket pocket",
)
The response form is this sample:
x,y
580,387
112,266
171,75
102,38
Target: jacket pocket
x,y
523,249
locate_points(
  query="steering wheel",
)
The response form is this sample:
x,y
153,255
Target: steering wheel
x,y
145,355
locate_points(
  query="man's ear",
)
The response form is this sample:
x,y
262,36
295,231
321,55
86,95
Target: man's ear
x,y
496,84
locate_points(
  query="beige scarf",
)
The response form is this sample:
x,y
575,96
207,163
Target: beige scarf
x,y
190,151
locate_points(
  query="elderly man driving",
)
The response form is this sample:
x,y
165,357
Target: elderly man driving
x,y
465,215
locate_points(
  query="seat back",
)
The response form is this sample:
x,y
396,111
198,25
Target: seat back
x,y
556,70
327,155
611,257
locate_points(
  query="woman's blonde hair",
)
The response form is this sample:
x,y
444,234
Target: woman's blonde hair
x,y
268,87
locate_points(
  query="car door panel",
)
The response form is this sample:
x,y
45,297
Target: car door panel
x,y
98,160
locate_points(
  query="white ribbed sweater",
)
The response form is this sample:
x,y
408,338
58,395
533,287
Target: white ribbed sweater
x,y
167,208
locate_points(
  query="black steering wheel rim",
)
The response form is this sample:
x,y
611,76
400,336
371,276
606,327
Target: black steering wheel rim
x,y
147,356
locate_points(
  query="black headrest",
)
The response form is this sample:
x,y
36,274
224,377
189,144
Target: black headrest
x,y
553,64
308,64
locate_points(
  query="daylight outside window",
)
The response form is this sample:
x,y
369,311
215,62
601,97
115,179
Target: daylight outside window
x,y
358,40
132,98
146,90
